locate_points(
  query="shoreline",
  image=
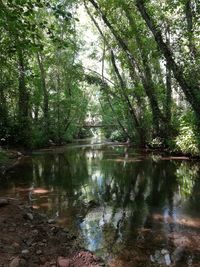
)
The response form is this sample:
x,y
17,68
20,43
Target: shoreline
x,y
29,238
13,156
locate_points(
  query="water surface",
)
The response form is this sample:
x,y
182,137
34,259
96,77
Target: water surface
x,y
131,207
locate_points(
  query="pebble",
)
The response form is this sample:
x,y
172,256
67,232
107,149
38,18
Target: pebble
x,y
23,263
39,252
29,216
63,262
3,202
178,254
51,221
35,232
167,259
41,244
15,262
164,251
25,251
43,259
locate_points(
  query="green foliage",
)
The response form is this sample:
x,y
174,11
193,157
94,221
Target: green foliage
x,y
46,94
117,135
186,178
188,138
3,156
39,139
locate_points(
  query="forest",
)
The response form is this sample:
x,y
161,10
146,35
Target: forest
x,y
99,133
144,90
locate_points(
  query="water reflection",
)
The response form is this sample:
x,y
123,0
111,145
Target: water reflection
x,y
132,208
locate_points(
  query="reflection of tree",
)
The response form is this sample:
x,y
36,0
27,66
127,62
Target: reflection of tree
x,y
121,196
186,176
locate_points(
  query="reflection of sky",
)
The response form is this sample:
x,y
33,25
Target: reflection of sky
x,y
92,226
93,234
80,175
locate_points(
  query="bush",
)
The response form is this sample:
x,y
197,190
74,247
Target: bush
x,y
188,139
39,139
3,156
118,136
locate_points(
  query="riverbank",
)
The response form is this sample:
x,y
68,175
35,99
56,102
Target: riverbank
x,y
9,159
131,207
31,239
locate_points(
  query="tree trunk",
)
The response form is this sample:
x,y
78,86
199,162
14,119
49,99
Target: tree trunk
x,y
3,114
189,18
45,94
146,79
23,103
130,108
191,91
169,88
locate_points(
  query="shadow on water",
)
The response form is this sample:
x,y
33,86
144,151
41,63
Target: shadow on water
x,y
131,208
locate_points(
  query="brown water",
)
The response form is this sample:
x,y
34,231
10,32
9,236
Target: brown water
x,y
130,207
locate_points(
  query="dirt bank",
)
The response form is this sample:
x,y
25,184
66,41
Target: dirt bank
x,y
9,159
31,239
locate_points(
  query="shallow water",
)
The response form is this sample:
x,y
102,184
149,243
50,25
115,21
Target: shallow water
x,y
130,207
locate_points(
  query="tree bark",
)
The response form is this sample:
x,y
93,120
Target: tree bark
x,y
146,79
23,103
168,84
45,94
130,108
3,113
189,18
191,91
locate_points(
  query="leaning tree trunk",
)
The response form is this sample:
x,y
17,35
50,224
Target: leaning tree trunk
x,y
131,110
146,75
191,91
157,115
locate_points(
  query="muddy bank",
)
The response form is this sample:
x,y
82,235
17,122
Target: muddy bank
x,y
9,159
31,239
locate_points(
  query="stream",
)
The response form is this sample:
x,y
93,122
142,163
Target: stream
x,y
130,207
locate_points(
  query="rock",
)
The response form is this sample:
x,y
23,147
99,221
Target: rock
x,y
19,154
15,262
157,254
39,252
63,262
167,259
41,244
51,221
23,263
43,259
152,258
25,251
28,216
35,232
3,202
178,254
164,251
